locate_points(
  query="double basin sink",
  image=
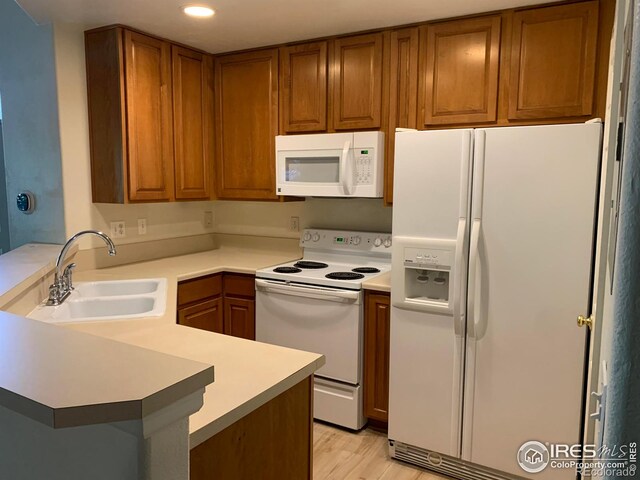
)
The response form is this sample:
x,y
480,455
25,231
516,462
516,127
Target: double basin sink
x,y
108,300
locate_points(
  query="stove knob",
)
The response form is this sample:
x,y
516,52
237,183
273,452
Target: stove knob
x,y
315,237
387,243
355,240
377,242
306,237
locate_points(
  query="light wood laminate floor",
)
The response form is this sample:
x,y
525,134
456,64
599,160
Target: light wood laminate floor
x,y
341,455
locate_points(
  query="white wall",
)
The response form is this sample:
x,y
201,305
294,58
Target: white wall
x,y
30,125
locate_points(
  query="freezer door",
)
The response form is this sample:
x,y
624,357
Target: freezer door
x,y
532,237
431,182
431,201
425,381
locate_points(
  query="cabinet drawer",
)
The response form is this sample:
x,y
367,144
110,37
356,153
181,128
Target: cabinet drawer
x,y
239,285
199,289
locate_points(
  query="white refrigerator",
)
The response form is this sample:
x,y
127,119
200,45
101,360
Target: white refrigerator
x,y
493,236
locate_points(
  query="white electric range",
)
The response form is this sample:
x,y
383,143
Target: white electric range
x,y
316,304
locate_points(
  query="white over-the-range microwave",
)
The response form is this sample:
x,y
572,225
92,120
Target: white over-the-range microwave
x,y
330,164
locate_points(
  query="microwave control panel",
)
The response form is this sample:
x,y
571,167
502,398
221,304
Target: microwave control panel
x,y
364,166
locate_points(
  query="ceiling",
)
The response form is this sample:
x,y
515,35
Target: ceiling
x,y
241,24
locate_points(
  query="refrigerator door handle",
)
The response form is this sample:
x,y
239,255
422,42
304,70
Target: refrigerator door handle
x,y
458,315
473,268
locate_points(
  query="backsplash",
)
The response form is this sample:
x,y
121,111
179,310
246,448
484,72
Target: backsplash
x,y
273,219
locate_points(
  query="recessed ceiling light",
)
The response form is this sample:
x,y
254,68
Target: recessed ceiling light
x,y
198,11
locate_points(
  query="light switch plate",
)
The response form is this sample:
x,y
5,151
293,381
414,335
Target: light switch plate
x,y
118,229
208,219
142,226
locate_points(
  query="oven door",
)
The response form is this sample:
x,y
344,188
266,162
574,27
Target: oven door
x,y
316,319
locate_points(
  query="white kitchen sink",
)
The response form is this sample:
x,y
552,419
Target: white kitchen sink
x,y
118,288
109,300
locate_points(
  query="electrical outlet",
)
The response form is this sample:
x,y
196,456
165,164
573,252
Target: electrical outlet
x,y
142,226
118,229
294,224
208,219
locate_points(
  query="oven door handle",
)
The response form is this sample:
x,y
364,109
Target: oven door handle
x,y
321,293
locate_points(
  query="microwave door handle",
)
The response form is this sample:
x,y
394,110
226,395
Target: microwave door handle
x,y
347,179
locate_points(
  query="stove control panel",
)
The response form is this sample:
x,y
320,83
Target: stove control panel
x,y
346,240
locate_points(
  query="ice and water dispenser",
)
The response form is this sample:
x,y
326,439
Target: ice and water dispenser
x,y
422,274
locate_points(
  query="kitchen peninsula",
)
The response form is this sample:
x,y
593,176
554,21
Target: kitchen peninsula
x,y
256,416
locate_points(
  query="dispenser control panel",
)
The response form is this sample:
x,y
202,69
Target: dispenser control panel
x,y
440,259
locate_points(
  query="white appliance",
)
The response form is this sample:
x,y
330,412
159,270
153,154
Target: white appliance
x,y
493,234
330,164
316,304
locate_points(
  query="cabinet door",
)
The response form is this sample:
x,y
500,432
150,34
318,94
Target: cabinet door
x,y
303,76
357,82
403,87
246,124
240,317
149,123
553,61
376,356
459,83
206,315
192,122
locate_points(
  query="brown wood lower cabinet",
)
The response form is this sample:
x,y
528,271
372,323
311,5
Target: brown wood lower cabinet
x,y
274,442
376,355
221,303
205,315
239,317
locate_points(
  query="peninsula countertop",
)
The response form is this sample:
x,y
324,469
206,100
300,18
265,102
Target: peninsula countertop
x,y
248,374
64,379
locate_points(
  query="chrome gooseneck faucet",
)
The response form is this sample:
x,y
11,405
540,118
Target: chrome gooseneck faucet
x,y
62,283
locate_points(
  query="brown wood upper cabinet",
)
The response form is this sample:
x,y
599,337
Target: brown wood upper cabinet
x,y
357,82
553,61
192,122
246,124
459,79
303,87
140,94
403,88
149,122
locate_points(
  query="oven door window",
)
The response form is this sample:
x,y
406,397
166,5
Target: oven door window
x,y
320,169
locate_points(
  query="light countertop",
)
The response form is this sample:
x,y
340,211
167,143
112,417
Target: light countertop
x,y
248,374
380,283
65,379
24,265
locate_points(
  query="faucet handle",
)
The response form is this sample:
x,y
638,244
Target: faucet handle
x,y
67,276
54,294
